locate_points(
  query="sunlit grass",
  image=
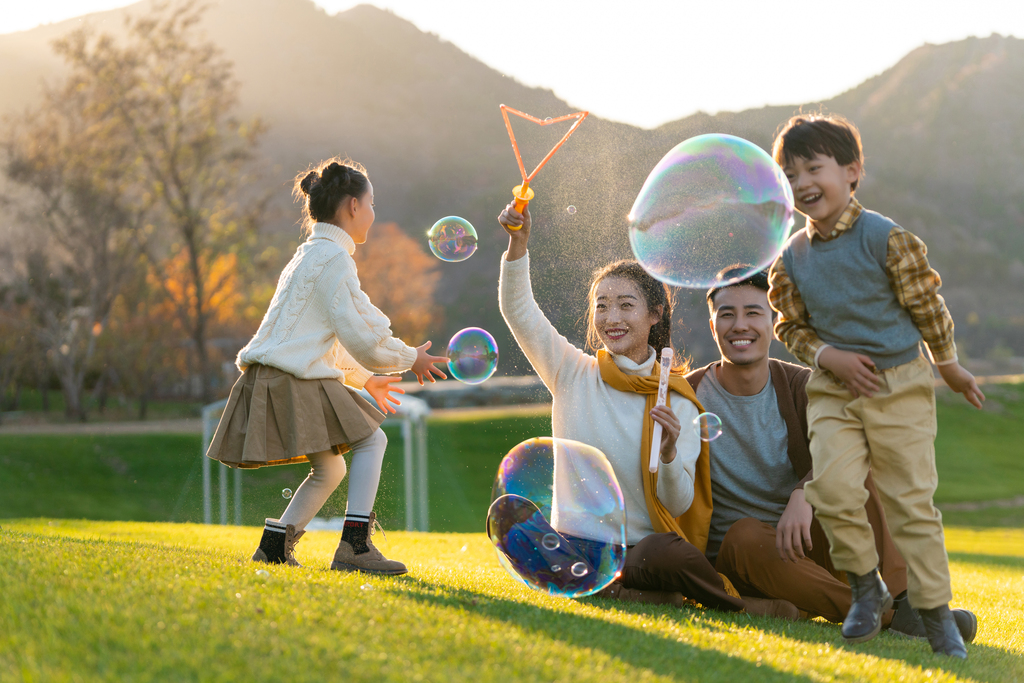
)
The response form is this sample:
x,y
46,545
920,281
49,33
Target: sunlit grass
x,y
138,601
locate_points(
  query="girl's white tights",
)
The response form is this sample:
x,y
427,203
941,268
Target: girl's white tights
x,y
328,471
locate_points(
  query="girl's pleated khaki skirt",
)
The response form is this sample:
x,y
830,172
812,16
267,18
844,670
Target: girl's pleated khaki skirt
x,y
275,418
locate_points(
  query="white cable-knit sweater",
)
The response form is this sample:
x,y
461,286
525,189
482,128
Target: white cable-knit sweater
x,y
321,324
586,409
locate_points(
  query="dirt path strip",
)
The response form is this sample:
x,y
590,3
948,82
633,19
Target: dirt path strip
x,y
971,506
191,425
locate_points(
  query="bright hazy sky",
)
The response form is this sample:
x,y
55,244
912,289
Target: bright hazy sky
x,y
646,62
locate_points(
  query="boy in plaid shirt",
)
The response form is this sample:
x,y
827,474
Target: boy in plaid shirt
x,y
856,297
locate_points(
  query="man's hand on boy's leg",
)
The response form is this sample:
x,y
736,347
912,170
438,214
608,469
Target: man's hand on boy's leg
x,y
962,382
855,370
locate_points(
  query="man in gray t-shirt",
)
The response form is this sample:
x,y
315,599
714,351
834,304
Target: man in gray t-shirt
x,y
751,474
763,535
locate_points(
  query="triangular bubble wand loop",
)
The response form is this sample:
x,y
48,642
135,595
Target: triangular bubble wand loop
x,y
523,193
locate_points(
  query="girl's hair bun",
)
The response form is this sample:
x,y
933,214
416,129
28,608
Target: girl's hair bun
x,y
335,173
306,184
322,189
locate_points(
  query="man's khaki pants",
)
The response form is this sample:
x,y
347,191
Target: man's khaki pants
x,y
892,434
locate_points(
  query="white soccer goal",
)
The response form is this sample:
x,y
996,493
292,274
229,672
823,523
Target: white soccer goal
x,y
412,415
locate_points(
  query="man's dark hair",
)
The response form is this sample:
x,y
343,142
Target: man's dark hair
x,y
737,276
806,135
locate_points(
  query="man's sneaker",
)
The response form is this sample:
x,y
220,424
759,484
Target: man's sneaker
x,y
768,607
907,622
278,544
616,591
370,562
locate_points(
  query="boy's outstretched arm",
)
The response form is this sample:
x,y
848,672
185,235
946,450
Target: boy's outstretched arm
x,y
916,285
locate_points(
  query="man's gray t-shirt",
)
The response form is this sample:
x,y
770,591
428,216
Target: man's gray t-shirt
x,y
751,473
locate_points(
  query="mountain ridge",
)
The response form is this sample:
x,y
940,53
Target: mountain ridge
x,y
943,138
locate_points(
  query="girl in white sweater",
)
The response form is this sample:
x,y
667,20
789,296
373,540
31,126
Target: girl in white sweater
x,y
607,400
319,342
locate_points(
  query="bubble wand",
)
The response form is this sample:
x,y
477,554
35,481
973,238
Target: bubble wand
x,y
523,193
666,368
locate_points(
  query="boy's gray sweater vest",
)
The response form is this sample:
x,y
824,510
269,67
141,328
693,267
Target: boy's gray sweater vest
x,y
850,303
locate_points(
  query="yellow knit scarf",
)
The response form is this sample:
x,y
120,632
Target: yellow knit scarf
x,y
694,524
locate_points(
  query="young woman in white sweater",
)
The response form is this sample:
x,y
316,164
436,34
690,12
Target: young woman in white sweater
x,y
320,341
607,400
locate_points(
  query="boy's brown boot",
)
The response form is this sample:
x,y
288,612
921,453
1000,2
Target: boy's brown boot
x,y
356,552
616,591
278,544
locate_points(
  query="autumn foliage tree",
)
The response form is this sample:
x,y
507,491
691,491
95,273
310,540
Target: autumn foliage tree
x,y
400,278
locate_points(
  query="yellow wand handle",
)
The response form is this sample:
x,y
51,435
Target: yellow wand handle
x,y
523,194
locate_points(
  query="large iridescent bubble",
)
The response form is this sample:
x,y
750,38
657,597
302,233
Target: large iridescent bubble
x,y
452,239
557,518
472,355
712,202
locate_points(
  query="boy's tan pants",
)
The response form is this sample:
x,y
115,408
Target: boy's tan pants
x,y
893,434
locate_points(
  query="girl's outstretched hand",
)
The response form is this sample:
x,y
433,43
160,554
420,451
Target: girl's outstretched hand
x,y
424,365
379,387
517,239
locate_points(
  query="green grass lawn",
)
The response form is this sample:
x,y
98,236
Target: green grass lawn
x,y
980,457
152,478
103,601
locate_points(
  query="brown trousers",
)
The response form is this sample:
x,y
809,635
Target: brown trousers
x,y
667,562
749,558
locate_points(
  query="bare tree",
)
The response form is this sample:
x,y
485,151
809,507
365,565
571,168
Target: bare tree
x,y
72,163
174,97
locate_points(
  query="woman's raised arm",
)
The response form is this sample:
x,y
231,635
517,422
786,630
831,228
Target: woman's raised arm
x,y
547,350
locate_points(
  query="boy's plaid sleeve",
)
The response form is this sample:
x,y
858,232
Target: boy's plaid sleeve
x,y
791,327
916,285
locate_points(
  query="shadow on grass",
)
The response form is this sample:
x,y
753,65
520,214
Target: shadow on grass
x,y
985,662
637,648
655,652
1006,561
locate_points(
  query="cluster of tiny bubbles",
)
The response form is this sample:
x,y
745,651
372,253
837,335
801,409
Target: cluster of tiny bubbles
x,y
557,517
712,202
452,239
472,355
708,426
286,493
571,210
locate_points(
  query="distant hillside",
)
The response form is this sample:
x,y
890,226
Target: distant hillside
x,y
943,132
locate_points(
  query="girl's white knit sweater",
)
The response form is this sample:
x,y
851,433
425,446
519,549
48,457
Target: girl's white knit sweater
x,y
320,323
588,410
